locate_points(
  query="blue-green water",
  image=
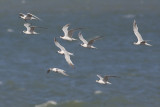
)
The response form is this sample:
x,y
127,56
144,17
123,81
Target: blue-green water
x,y
25,59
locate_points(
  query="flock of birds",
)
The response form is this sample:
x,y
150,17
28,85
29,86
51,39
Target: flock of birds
x,y
68,36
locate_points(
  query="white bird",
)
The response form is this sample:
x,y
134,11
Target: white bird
x,y
139,37
62,49
104,80
86,44
57,70
28,16
68,33
30,29
66,54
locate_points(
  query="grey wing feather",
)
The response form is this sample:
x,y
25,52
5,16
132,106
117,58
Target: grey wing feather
x,y
107,76
32,28
91,41
81,38
136,32
70,32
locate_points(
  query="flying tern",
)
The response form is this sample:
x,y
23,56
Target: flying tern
x,y
139,37
88,44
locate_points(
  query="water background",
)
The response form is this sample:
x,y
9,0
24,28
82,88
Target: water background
x,y
24,59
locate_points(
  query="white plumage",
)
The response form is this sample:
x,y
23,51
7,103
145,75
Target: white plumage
x,y
138,35
57,70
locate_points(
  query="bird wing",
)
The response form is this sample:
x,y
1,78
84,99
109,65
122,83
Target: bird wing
x,y
61,71
65,29
101,78
70,32
27,25
67,57
58,45
21,14
92,40
31,15
136,32
81,38
107,76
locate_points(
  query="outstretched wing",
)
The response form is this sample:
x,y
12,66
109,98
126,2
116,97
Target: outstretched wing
x,y
67,57
136,32
92,40
31,15
27,25
58,45
65,29
21,14
81,38
101,78
61,71
70,32
107,76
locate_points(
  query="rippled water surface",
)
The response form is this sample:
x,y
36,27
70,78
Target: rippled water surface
x,y
24,59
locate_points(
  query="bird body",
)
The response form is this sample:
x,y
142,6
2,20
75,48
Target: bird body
x,y
104,80
87,44
68,33
30,29
28,16
57,70
139,37
62,49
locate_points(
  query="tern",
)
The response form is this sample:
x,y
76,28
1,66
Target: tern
x,y
104,80
88,44
139,37
30,29
65,53
68,33
28,16
62,49
57,70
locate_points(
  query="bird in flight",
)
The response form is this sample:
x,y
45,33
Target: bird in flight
x,y
104,80
139,37
57,70
88,44
62,49
28,16
30,29
65,53
68,33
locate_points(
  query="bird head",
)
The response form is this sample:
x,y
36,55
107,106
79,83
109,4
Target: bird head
x,y
48,71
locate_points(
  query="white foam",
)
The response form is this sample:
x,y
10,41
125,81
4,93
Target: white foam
x,y
97,92
10,30
47,103
129,16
